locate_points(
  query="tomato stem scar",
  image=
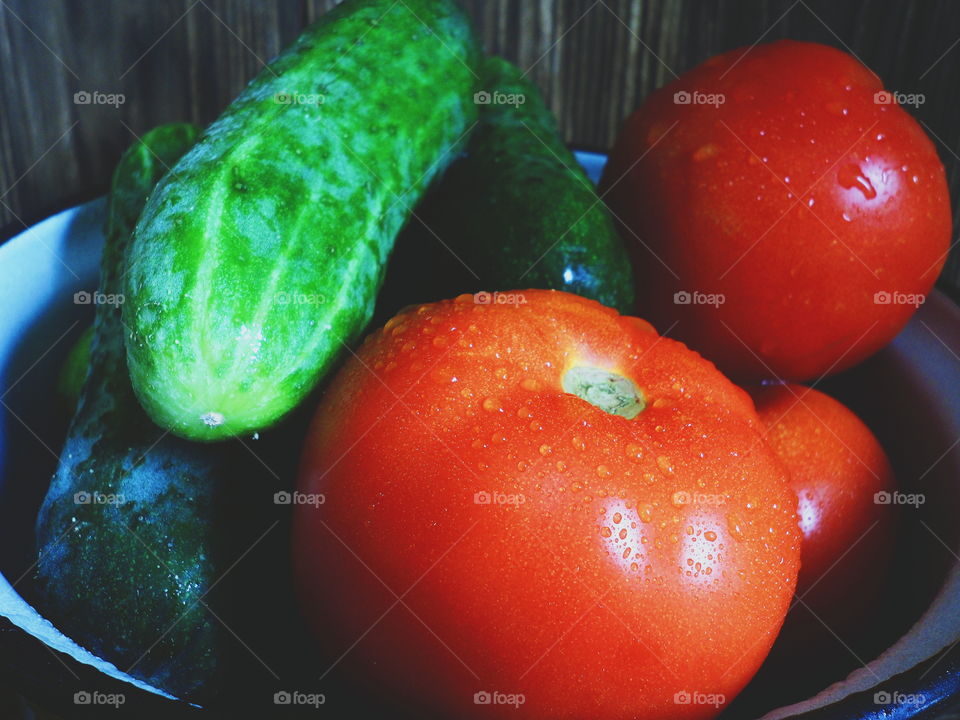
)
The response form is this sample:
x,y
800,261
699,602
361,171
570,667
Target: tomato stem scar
x,y
609,391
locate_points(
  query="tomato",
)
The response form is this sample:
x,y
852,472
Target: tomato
x,y
785,212
844,484
538,508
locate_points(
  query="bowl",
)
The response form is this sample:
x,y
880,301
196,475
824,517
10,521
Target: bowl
x,y
909,394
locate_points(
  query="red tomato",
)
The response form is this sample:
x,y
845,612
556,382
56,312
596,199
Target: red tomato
x,y
786,213
843,482
486,532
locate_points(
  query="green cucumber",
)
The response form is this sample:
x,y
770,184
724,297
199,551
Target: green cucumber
x,y
516,210
74,371
127,579
259,257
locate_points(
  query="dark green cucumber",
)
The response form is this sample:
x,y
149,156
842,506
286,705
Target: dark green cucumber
x,y
128,545
74,371
516,210
259,257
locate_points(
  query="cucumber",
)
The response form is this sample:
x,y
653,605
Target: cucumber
x,y
115,576
258,258
516,210
74,371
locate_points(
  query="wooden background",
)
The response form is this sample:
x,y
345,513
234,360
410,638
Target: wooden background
x,y
595,60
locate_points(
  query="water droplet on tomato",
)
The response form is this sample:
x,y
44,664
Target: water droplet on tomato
x,y
710,536
835,107
734,526
705,152
491,404
851,176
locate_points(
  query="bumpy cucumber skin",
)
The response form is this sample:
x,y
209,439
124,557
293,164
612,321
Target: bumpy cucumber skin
x,y
115,577
292,202
517,209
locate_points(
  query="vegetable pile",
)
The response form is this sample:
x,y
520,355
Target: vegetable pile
x,y
515,499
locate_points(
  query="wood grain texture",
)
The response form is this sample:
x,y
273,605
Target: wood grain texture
x,y
595,61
